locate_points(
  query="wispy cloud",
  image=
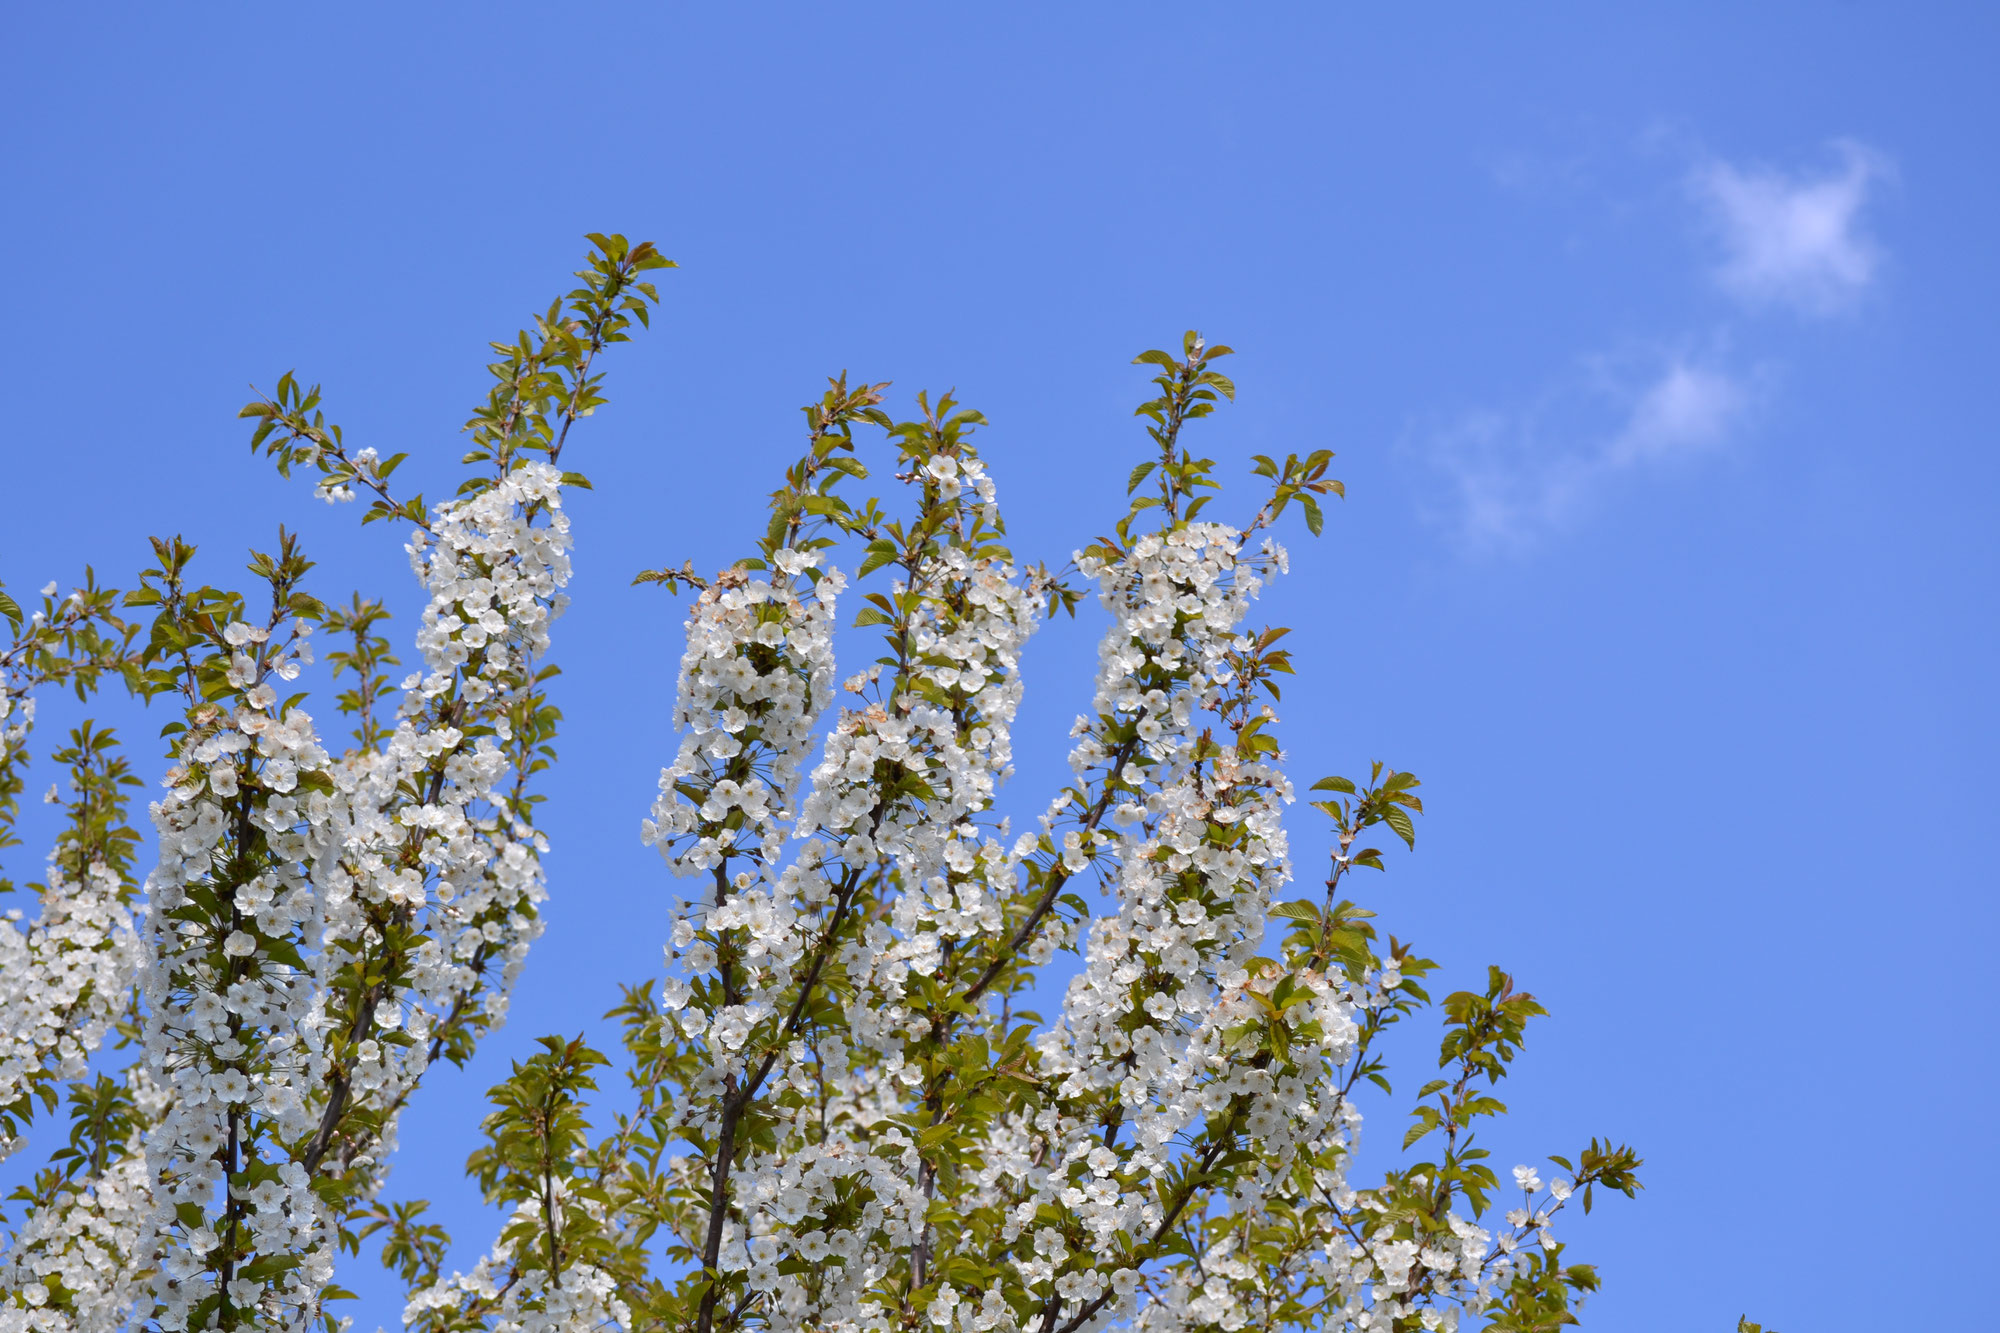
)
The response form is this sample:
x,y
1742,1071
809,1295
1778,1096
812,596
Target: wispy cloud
x,y
1784,239
1793,239
1515,477
1687,408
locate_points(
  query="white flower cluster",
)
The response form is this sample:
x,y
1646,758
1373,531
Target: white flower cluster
x,y
64,978
946,731
1150,1031
233,1018
938,731
953,887
882,1140
945,720
453,864
1148,1044
757,671
87,1248
253,1007
756,675
513,1294
79,1264
1200,846
77,1260
1141,1039
17,719
1365,1278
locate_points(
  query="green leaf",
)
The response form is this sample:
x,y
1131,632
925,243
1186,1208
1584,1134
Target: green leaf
x,y
880,552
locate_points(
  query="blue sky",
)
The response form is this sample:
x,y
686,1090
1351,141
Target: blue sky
x,y
1654,343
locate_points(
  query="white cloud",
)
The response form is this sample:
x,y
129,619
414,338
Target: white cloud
x,y
1789,238
1794,239
1689,407
1515,477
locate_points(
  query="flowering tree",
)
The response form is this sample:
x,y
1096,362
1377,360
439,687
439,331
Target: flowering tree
x,y
848,1115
